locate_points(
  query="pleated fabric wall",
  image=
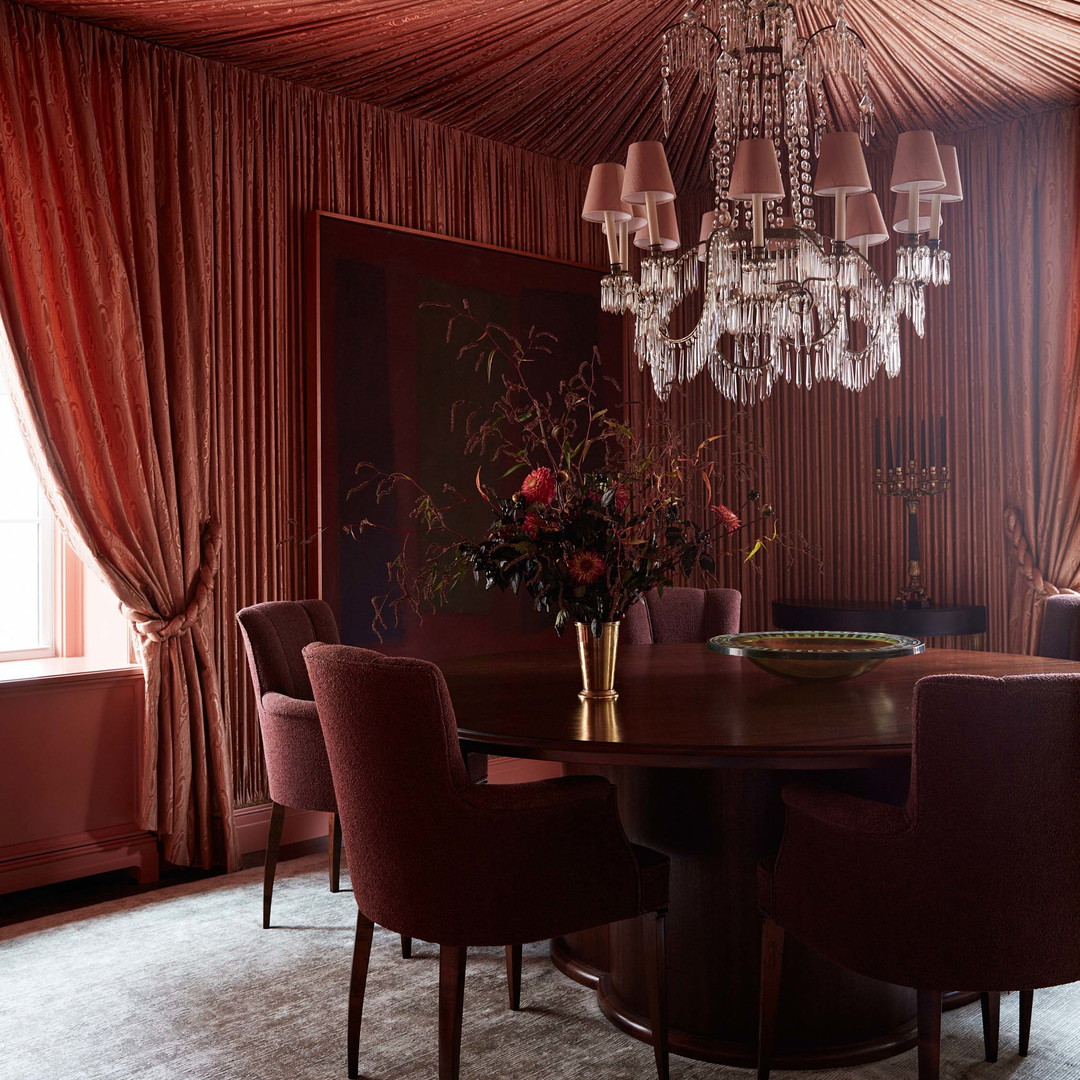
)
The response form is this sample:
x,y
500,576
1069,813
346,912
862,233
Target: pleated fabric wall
x,y
999,362
286,150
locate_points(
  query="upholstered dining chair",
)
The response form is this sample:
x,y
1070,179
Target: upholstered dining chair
x,y
1059,634
457,863
681,615
275,634
972,884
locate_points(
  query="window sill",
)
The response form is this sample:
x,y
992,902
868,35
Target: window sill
x,y
14,672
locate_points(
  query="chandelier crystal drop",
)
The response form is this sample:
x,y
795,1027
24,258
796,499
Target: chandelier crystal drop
x,y
779,299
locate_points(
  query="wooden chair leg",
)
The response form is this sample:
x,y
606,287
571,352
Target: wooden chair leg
x,y
451,1001
991,1021
273,845
1027,999
772,959
406,947
928,1010
335,853
357,985
513,975
653,927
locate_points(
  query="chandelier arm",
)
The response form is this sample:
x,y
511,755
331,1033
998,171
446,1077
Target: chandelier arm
x,y
832,26
701,25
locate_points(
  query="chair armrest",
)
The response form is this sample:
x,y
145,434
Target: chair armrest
x,y
839,810
283,707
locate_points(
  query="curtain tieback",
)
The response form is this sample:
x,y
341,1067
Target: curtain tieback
x,y
1026,559
154,627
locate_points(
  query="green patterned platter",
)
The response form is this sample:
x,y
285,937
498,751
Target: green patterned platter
x,y
816,654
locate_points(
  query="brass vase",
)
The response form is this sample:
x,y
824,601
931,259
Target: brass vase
x,y
597,658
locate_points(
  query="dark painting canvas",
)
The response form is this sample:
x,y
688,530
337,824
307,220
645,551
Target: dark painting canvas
x,y
383,380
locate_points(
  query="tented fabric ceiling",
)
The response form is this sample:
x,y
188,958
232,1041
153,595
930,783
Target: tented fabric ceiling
x,y
577,79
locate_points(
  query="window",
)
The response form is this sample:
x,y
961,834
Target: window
x,y
27,548
51,606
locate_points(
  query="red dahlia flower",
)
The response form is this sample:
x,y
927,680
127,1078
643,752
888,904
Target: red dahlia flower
x,y
539,486
531,525
585,567
726,518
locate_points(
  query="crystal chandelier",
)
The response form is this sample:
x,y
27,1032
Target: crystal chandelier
x,y
779,299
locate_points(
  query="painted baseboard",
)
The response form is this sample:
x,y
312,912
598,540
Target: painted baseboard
x,y
253,826
82,854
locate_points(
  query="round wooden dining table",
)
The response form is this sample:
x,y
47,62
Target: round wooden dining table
x,y
699,746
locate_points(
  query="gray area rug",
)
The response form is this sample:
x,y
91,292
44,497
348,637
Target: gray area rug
x,y
183,983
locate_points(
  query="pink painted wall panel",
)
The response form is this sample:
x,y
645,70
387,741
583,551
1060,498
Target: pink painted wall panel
x,y
68,752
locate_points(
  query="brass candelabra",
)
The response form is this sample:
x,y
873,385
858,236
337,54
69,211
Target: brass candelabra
x,y
911,471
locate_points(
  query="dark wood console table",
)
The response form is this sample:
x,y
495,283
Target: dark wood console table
x,y
699,746
967,621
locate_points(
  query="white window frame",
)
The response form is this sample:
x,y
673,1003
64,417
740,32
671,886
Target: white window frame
x,y
48,594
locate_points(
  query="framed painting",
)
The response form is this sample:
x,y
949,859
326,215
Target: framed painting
x,y
382,381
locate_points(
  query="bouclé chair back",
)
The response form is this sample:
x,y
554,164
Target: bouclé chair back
x,y
681,615
995,803
1059,634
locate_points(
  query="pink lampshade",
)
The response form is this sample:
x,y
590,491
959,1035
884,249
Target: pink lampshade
x,y
841,167
647,173
669,229
708,224
865,220
900,215
953,191
756,171
917,163
604,194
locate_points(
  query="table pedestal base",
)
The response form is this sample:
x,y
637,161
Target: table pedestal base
x,y
715,825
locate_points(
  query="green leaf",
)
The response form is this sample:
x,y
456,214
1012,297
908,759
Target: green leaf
x,y
758,546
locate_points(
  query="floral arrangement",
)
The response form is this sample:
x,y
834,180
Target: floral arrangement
x,y
586,515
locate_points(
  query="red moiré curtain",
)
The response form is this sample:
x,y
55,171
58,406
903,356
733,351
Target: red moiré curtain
x,y
105,268
1035,303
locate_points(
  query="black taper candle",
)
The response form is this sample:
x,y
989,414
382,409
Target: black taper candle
x,y
913,552
911,437
899,442
922,443
944,456
888,445
877,444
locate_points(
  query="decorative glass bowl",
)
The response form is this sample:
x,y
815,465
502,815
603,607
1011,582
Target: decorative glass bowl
x,y
816,654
